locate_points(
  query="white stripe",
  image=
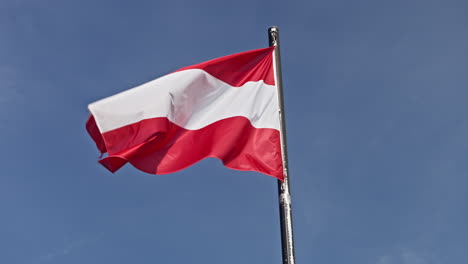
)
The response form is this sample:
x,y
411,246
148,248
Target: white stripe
x,y
191,99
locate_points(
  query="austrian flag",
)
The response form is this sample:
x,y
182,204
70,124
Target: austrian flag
x,y
225,108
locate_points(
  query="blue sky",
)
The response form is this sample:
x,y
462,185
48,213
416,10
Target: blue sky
x,y
376,102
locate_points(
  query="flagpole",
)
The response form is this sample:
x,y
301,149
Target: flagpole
x,y
287,239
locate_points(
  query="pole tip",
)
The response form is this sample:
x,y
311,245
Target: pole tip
x,y
273,29
273,36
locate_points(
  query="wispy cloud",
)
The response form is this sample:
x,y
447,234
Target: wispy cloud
x,y
80,243
385,260
406,256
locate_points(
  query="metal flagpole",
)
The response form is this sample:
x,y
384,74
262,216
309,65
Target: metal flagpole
x,y
287,240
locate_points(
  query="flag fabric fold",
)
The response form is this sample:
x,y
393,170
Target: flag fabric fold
x,y
225,108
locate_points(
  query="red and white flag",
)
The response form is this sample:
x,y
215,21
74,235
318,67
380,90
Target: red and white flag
x,y
225,108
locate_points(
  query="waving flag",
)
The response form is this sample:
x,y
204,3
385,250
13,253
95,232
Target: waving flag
x,y
225,108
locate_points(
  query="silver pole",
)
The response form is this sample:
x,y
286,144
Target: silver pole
x,y
287,240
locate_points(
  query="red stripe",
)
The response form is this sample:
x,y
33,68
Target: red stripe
x,y
158,146
95,134
237,69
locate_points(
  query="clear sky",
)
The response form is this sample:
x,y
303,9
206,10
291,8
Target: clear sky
x,y
376,101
